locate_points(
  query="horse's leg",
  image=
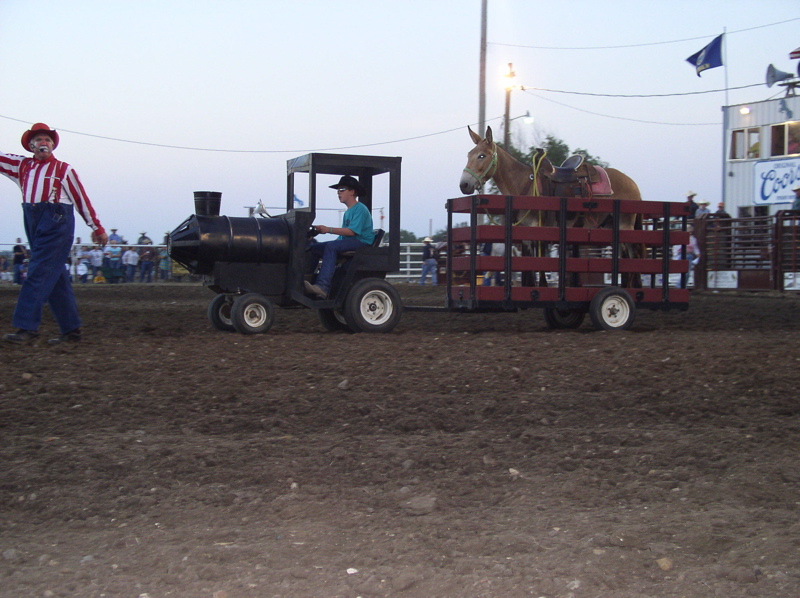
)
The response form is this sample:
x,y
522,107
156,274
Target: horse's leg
x,y
544,248
528,278
633,251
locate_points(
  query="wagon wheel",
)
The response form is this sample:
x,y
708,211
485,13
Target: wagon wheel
x,y
333,320
372,305
612,309
564,318
219,313
252,314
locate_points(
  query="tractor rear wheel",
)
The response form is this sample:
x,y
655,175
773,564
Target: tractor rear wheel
x,y
372,305
333,320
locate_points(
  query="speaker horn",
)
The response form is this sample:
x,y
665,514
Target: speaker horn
x,y
775,76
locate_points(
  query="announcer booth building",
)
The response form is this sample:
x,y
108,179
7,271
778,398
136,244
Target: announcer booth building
x,y
761,156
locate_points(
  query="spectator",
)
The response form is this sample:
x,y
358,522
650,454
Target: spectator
x,y
692,250
144,239
495,277
796,202
164,264
690,205
702,209
114,255
146,257
5,275
721,213
96,260
20,255
429,263
82,271
115,237
130,261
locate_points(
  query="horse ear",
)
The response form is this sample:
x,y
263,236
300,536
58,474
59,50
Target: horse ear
x,y
476,139
489,137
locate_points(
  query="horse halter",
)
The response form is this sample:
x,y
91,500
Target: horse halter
x,y
490,170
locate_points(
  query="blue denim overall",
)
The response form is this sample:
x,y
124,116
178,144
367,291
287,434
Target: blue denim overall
x,y
50,228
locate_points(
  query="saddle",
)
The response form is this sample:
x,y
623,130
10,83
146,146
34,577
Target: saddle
x,y
574,178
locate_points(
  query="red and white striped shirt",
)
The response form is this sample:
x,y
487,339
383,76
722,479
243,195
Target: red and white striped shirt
x,y
49,181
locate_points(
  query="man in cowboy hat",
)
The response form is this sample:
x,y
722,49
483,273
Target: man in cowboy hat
x,y
796,202
51,193
356,231
429,264
690,205
702,209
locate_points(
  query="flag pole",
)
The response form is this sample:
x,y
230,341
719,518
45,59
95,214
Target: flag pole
x,y
725,116
725,60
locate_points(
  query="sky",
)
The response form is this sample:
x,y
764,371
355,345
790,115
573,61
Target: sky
x,y
156,99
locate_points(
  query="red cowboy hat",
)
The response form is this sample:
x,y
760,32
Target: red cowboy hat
x,y
35,130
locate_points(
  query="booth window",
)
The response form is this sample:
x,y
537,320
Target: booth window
x,y
745,144
785,139
753,144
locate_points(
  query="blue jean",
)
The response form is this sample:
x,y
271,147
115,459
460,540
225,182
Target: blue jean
x,y
49,228
429,266
130,272
146,272
18,273
328,251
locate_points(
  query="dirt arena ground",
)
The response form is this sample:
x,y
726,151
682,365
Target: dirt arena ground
x,y
461,455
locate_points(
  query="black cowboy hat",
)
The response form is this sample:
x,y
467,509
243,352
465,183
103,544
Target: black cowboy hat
x,y
350,183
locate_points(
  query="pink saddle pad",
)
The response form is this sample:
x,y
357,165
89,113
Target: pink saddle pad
x,y
603,185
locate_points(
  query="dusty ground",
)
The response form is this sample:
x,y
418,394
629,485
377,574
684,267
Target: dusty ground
x,y
459,456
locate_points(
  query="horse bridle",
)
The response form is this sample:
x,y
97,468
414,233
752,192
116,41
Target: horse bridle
x,y
490,170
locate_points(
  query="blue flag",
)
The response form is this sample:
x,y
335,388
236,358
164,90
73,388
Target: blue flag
x,y
709,57
298,201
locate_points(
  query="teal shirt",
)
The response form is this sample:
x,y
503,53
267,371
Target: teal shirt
x,y
359,220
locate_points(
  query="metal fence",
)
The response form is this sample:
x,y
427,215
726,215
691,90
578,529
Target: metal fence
x,y
410,263
760,253
175,272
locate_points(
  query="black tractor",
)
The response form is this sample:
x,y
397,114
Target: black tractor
x,y
256,263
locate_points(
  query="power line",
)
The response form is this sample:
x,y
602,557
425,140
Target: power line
x,y
294,151
652,95
674,41
650,122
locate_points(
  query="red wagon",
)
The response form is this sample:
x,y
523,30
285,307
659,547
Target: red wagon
x,y
583,267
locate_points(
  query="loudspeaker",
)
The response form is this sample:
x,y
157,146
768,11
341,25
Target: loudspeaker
x,y
774,76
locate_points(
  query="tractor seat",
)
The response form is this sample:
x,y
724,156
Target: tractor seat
x,y
375,243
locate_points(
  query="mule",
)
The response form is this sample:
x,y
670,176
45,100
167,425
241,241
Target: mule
x,y
487,160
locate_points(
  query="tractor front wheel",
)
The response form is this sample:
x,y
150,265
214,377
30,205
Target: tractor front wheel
x,y
252,314
219,313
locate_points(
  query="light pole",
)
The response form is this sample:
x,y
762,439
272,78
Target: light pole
x,y
506,119
482,74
